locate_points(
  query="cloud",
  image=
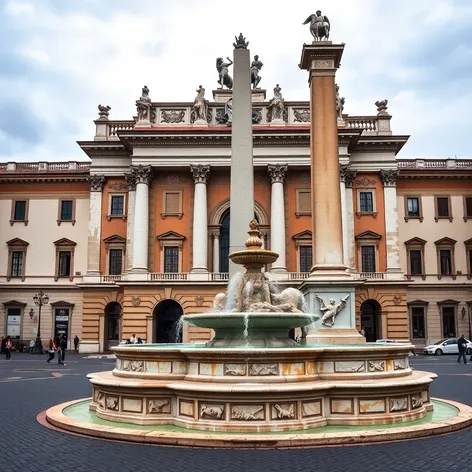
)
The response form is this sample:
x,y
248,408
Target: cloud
x,y
61,58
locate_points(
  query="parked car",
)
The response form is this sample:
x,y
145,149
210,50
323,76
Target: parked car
x,y
446,346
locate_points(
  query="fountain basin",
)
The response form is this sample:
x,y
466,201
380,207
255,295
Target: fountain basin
x,y
250,329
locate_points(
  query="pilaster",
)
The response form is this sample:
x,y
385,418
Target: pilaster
x,y
131,181
347,176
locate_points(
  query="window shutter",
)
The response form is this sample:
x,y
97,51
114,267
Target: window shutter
x,y
172,203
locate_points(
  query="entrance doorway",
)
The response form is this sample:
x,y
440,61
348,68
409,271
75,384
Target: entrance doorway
x,y
166,322
112,325
370,320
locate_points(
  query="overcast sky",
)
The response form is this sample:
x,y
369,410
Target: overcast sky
x,y
60,58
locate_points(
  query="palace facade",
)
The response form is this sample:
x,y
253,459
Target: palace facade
x,y
138,236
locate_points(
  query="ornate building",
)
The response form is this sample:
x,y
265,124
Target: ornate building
x,y
147,238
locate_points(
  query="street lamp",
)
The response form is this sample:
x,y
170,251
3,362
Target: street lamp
x,y
39,299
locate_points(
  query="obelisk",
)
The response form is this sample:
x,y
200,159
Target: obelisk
x,y
329,283
242,169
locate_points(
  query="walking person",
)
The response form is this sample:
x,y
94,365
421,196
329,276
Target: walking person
x,y
76,343
6,347
63,345
52,350
462,346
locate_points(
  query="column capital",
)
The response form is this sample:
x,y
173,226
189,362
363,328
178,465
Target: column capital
x,y
131,181
200,173
347,175
389,177
277,173
96,182
142,174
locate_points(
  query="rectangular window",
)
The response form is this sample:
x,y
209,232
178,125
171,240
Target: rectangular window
x,y
14,322
443,207
17,263
172,202
66,210
306,258
171,259
366,202
413,207
19,213
304,201
448,314
368,258
445,262
116,262
117,205
64,263
416,265
418,322
469,256
468,207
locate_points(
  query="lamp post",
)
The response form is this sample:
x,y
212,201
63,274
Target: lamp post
x,y
39,299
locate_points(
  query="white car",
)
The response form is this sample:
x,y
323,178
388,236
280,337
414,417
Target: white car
x,y
446,346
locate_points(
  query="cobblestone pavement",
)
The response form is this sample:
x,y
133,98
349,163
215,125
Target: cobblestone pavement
x,y
28,386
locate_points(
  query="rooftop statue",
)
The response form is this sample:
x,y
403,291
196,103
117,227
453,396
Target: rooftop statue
x,y
200,106
143,105
224,78
240,42
256,66
319,26
276,105
382,107
103,112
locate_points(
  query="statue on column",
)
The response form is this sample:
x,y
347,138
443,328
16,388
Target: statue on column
x,y
200,106
319,26
276,106
240,42
256,66
339,104
223,70
143,105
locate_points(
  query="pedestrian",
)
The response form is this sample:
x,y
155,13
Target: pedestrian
x,y
76,343
51,350
6,347
462,346
63,344
133,339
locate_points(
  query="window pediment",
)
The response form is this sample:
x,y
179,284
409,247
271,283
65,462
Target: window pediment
x,y
448,302
368,235
468,242
13,303
307,235
115,239
65,242
171,236
418,302
445,242
17,242
416,242
62,303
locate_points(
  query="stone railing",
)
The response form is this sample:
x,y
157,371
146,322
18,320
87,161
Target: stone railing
x,y
372,275
168,276
366,123
110,278
422,164
298,275
219,276
71,166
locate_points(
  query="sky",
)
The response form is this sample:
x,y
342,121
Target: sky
x,y
59,59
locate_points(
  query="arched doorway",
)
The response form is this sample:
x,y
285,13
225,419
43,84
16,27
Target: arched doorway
x,y
224,240
166,322
370,320
112,325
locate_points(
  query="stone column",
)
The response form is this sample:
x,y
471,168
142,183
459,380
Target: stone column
x,y
277,175
143,177
95,225
242,171
131,181
346,177
200,174
389,179
349,176
216,252
322,60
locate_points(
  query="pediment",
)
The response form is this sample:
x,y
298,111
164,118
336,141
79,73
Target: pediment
x,y
418,302
65,242
445,241
449,301
62,303
303,235
468,242
417,241
368,235
115,238
14,303
17,242
171,236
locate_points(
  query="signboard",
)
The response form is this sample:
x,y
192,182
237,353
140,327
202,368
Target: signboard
x,y
13,326
61,322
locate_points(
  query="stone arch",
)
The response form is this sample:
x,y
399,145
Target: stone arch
x,y
371,311
221,209
113,312
167,321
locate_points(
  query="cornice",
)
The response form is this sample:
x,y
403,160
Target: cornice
x,y
11,179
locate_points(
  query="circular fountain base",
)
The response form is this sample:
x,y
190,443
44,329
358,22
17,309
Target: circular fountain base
x,y
76,417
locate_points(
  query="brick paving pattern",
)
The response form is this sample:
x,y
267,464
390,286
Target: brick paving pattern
x,y
28,386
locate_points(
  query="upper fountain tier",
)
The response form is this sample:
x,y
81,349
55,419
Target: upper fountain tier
x,y
252,312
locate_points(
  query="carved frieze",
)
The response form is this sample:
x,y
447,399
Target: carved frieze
x,y
416,401
112,403
366,181
350,366
172,116
118,186
247,413
142,174
389,177
399,404
200,173
263,369
323,64
101,399
173,179
400,364
132,366
235,369
283,411
216,412
376,366
277,173
96,182
158,406
301,115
